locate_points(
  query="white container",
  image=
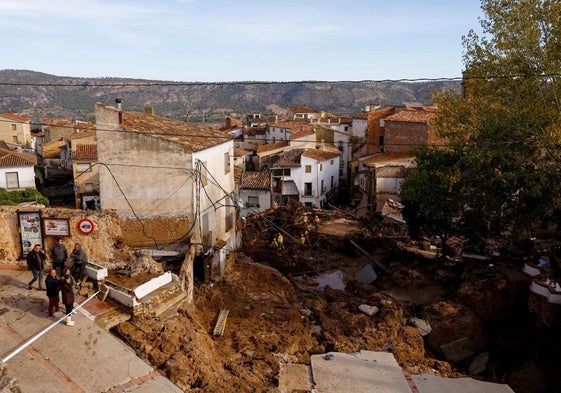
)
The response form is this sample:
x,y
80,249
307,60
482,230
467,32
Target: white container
x,y
95,271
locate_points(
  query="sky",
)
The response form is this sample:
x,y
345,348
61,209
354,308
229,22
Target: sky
x,y
238,40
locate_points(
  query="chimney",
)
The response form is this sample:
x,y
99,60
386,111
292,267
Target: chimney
x,y
228,122
118,102
149,110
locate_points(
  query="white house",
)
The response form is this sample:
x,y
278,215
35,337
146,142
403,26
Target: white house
x,y
256,191
152,166
16,169
306,175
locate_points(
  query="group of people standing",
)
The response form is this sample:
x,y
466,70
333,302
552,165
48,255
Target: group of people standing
x,y
65,276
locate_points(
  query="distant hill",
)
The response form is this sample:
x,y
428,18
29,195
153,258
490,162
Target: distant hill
x,y
38,95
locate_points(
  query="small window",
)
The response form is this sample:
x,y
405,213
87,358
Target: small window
x,y
80,168
340,145
14,127
307,188
14,139
332,181
253,201
381,140
346,128
308,169
89,187
226,163
331,162
320,166
12,180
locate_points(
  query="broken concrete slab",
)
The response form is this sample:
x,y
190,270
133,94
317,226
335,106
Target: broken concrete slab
x,y
361,372
428,383
366,275
458,350
368,310
479,364
295,377
422,326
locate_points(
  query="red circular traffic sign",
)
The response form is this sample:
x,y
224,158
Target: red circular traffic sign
x,y
85,226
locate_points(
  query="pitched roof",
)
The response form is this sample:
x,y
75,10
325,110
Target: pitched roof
x,y
292,125
304,132
385,159
301,109
81,134
422,115
320,155
289,158
239,153
193,136
11,158
84,152
15,117
52,149
256,180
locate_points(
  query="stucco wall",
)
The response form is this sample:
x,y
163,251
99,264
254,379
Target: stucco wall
x,y
402,136
26,176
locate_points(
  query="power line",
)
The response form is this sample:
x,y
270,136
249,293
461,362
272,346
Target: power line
x,y
87,83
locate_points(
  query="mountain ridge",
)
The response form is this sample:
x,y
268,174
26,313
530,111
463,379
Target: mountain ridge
x,y
39,95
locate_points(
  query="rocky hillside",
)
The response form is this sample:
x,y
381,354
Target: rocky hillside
x,y
39,95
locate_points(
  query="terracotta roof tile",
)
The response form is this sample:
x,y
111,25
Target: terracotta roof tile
x,y
423,115
11,158
192,136
256,180
290,158
81,134
239,152
84,152
15,117
301,109
304,132
52,149
320,155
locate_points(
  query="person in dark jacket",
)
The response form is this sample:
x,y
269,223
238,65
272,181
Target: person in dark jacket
x,y
52,283
67,292
79,259
59,254
36,263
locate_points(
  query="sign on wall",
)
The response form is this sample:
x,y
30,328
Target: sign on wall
x,y
30,231
86,226
56,227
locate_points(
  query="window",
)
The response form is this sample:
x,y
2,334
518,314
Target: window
x,y
381,140
14,139
226,163
322,187
308,169
281,172
331,162
340,145
14,127
307,188
320,166
253,201
83,168
346,128
89,187
332,181
12,180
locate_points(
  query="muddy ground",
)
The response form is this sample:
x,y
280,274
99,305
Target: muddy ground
x,y
278,312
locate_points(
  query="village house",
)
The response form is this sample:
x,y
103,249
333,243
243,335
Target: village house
x,y
15,130
299,112
85,173
256,191
378,177
17,170
152,166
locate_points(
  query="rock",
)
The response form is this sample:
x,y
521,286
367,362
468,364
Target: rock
x,y
368,310
479,364
458,350
366,275
422,326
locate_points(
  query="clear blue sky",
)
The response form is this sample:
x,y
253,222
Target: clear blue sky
x,y
220,40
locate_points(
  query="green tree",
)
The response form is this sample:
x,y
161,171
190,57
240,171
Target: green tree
x,y
505,130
